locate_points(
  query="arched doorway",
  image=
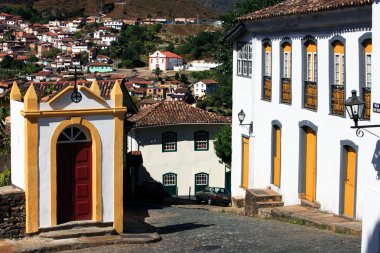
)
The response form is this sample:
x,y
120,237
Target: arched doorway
x,y
74,175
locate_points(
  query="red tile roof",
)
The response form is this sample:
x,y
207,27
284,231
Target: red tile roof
x,y
209,81
171,55
175,113
42,73
292,7
51,34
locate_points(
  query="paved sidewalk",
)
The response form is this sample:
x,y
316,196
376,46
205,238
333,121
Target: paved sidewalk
x,y
316,218
137,232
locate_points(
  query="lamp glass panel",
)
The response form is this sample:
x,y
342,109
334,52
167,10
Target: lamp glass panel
x,y
349,110
355,110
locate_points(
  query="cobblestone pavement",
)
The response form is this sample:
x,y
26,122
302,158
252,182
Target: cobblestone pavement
x,y
195,230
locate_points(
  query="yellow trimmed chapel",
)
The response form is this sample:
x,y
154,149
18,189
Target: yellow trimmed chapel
x,y
68,156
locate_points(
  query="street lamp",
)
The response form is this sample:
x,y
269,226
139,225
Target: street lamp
x,y
241,116
355,108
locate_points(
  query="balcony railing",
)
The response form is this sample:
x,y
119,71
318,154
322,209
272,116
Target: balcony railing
x,y
311,95
286,88
337,99
367,100
267,94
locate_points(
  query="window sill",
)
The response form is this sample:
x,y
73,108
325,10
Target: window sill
x,y
284,103
309,109
245,76
337,115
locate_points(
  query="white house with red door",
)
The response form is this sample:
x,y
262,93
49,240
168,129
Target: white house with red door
x,y
164,60
68,156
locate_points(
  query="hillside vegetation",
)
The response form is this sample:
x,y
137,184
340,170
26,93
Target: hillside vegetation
x,y
117,8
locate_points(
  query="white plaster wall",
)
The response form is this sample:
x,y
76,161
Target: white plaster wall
x,y
105,127
243,97
371,214
185,162
161,65
331,129
17,144
65,103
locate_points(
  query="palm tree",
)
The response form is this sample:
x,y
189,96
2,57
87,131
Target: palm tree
x,y
157,71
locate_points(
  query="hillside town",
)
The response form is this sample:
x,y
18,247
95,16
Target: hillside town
x,y
251,130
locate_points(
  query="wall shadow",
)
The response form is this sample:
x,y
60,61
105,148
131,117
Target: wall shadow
x,y
376,159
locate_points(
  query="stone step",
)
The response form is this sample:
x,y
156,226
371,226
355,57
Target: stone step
x,y
78,232
238,201
264,213
269,204
309,204
75,224
261,195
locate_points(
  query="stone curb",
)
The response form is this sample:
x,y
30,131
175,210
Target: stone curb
x,y
340,228
333,227
34,245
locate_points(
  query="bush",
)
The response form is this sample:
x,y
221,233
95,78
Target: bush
x,y
5,177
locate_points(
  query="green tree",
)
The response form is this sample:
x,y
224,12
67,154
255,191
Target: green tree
x,y
157,72
53,53
229,20
222,144
33,58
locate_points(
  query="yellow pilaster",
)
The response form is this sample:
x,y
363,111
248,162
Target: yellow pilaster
x,y
95,87
117,96
15,92
31,160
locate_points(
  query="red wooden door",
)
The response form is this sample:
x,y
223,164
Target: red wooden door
x,y
74,184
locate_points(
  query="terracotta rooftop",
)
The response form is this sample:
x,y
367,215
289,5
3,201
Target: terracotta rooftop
x,y
209,81
175,113
292,7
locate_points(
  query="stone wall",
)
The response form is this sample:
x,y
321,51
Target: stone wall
x,y
12,212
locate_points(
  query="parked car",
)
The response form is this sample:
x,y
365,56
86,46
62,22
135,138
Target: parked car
x,y
214,195
152,190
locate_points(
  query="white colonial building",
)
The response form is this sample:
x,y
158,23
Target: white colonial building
x,y
164,60
295,65
176,144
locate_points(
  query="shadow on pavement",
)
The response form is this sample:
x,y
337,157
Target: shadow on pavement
x,y
181,227
135,213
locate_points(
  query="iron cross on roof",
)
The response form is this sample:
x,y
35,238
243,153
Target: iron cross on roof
x,y
76,96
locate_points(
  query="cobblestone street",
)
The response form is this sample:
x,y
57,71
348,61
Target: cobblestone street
x,y
195,230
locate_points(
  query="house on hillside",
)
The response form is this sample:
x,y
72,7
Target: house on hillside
x,y
4,17
114,24
100,67
175,141
294,66
164,60
205,88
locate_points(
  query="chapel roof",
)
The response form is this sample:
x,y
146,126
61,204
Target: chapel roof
x,y
292,7
47,90
175,113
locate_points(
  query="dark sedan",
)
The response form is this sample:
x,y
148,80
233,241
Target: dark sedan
x,y
214,195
